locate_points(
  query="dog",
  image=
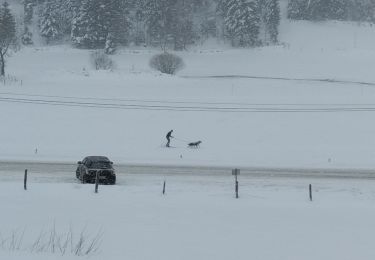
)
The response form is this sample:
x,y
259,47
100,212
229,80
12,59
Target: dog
x,y
194,144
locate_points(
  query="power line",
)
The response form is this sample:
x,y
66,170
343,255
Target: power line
x,y
243,109
188,102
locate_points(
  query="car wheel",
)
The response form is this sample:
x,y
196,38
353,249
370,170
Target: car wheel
x,y
83,177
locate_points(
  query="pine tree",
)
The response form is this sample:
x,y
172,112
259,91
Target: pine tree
x,y
356,9
315,10
169,22
67,11
138,28
28,8
205,18
182,29
369,7
95,20
7,34
271,18
242,21
319,9
183,34
326,9
48,23
297,9
110,44
158,14
336,9
120,23
361,10
80,35
87,28
102,26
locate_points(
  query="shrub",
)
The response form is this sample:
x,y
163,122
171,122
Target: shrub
x,y
52,241
101,61
8,80
166,63
27,37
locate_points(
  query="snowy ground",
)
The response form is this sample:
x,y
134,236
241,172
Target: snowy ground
x,y
308,103
303,104
198,218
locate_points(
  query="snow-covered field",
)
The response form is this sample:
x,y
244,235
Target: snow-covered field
x,y
309,105
198,218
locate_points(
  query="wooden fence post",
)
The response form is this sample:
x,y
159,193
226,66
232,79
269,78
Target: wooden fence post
x,y
237,190
236,172
25,181
97,181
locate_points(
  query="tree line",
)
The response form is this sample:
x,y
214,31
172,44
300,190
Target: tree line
x,y
345,10
169,24
7,34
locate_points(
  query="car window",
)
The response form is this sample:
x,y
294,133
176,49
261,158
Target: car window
x,y
88,163
99,165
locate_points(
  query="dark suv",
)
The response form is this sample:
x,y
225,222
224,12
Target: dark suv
x,y
87,169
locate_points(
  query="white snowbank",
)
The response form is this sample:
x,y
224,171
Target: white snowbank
x,y
199,218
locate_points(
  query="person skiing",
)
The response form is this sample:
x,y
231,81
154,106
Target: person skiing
x,y
169,136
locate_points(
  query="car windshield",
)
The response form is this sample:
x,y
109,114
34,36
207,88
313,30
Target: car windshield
x,y
99,165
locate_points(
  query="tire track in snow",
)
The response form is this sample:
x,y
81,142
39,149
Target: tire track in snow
x,y
281,78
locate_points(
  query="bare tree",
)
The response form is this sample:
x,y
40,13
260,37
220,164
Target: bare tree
x,y
7,34
101,61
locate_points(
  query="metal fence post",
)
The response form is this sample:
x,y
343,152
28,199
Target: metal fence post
x,y
25,180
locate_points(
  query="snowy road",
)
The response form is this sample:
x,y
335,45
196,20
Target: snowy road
x,y
46,172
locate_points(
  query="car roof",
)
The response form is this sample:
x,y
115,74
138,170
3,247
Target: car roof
x,y
97,158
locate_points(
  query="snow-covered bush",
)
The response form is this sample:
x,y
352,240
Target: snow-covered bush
x,y
27,37
167,63
101,61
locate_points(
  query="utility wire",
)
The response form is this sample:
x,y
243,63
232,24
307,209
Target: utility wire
x,y
275,108
184,102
